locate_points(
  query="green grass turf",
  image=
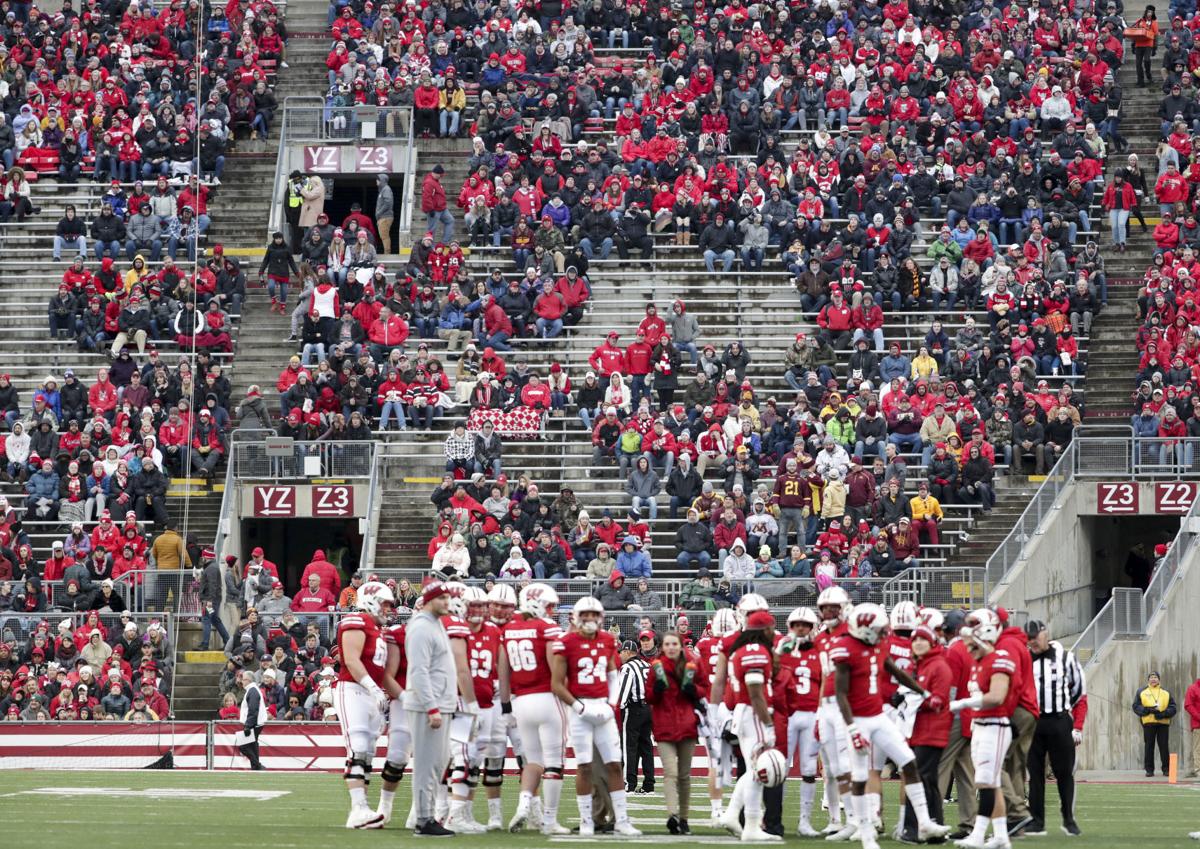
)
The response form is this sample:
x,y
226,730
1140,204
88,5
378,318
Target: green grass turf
x,y
38,807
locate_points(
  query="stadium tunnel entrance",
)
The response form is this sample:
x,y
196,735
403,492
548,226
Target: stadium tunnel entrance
x,y
1123,550
347,189
290,543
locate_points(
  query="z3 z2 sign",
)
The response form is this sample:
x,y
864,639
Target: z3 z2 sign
x,y
1174,498
1117,499
1123,498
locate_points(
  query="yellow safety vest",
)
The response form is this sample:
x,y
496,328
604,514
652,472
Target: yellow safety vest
x,y
295,197
1155,699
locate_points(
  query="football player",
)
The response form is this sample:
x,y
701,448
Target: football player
x,y
833,606
723,694
584,675
993,698
399,748
797,653
858,662
717,715
527,644
750,670
464,771
897,645
363,692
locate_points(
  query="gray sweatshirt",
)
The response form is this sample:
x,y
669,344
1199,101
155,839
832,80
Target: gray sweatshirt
x,y
432,678
385,204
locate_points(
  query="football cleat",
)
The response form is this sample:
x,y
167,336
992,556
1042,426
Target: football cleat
x,y
932,830
849,831
805,829
363,817
626,828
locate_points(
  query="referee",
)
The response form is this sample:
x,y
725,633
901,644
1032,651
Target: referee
x,y
635,712
1062,699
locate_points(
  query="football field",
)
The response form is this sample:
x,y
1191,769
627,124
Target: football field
x,y
205,810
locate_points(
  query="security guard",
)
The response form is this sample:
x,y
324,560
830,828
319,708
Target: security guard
x,y
291,211
1156,707
1062,704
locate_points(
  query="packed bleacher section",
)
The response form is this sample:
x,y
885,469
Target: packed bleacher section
x,y
118,105
1164,415
110,127
99,665
894,165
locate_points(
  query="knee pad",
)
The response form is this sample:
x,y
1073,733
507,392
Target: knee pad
x,y
358,767
987,801
552,773
392,771
493,772
459,774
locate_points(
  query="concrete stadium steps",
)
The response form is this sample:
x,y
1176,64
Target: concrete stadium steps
x,y
414,464
1113,356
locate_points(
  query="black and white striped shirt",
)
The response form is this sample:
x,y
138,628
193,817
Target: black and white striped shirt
x,y
1058,680
633,681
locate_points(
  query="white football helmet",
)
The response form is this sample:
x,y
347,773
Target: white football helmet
x,y
771,767
983,626
502,600
724,623
538,600
751,602
931,618
868,623
477,605
905,616
804,616
457,593
833,597
371,598
588,604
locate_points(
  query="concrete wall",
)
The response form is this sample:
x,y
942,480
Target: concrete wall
x,y
1113,736
1054,581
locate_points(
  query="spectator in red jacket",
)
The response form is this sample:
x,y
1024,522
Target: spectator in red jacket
x,y
674,688
387,333
495,327
608,358
326,571
433,204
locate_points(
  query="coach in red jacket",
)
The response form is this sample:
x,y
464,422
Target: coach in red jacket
x,y
931,729
674,688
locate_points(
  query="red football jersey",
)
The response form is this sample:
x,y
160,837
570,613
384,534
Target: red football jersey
x,y
524,642
456,629
589,660
958,656
823,642
994,663
805,666
752,657
899,649
483,647
394,634
708,650
374,650
865,663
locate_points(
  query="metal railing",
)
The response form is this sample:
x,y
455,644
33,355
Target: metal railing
x,y
943,587
371,537
333,459
1089,456
1129,612
310,119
